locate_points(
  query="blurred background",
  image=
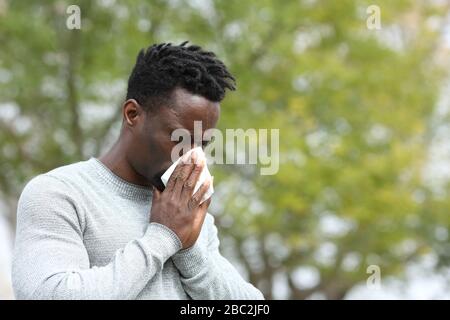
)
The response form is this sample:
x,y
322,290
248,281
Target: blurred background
x,y
363,115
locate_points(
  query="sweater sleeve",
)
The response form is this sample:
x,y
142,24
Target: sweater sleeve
x,y
206,274
51,262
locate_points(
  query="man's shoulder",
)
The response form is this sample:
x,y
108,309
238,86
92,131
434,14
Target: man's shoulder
x,y
69,170
60,179
50,196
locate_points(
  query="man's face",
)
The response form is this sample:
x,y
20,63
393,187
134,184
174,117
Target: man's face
x,y
151,152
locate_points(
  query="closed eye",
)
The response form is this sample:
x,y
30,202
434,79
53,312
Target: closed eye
x,y
205,143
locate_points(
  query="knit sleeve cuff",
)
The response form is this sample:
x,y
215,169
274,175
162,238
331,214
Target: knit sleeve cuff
x,y
191,261
162,240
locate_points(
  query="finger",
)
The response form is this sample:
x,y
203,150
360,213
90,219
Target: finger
x,y
190,183
205,204
184,174
194,202
156,193
173,178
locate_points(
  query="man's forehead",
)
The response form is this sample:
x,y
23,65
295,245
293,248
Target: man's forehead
x,y
188,108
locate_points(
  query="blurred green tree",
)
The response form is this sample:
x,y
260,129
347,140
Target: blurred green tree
x,y
353,107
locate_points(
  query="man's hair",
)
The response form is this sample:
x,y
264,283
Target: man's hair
x,y
162,67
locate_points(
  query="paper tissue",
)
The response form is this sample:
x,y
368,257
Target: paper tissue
x,y
205,174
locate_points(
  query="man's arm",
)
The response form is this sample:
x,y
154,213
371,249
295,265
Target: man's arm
x,y
206,274
51,262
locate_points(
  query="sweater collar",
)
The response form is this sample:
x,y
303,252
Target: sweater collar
x,y
127,189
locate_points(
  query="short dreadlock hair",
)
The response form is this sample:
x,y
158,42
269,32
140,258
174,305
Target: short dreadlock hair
x,y
162,67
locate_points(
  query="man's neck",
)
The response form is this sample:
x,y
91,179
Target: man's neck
x,y
115,159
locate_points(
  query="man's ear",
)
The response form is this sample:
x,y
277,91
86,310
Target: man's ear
x,y
131,111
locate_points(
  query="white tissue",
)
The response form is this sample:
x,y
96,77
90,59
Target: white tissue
x,y
204,175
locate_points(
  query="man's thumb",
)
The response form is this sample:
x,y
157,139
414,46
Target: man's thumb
x,y
156,193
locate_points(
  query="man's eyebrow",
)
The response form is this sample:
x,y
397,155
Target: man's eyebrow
x,y
191,133
173,127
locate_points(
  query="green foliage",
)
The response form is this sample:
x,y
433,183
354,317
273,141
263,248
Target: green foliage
x,y
353,107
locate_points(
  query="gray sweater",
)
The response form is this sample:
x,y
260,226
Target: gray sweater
x,y
84,233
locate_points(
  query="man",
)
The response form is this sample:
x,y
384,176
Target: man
x,y
107,228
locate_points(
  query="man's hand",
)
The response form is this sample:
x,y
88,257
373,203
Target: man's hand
x,y
177,207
